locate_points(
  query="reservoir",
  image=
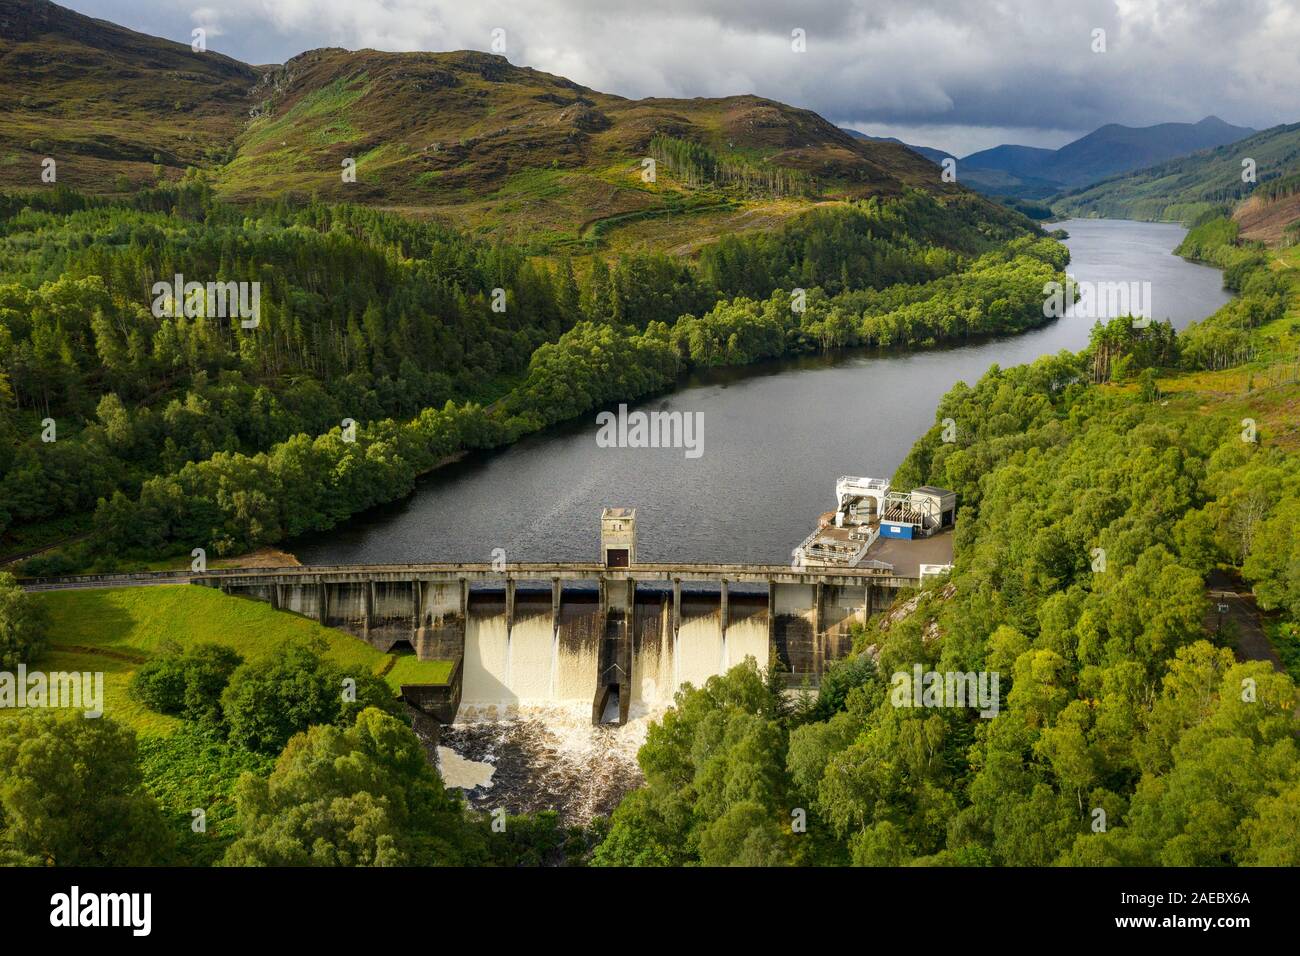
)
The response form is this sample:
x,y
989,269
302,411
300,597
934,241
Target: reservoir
x,y
775,438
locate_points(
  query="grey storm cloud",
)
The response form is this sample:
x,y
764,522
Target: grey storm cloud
x,y
953,67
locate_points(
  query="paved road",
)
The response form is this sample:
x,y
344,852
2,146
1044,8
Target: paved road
x,y
13,559
1252,643
143,580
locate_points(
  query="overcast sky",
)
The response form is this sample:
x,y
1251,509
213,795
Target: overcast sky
x,y
960,75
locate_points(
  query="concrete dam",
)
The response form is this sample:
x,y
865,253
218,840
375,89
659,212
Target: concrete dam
x,y
614,634
611,637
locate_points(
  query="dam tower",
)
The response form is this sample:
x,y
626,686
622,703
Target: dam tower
x,y
618,537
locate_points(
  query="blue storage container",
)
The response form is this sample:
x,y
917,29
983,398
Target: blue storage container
x,y
895,529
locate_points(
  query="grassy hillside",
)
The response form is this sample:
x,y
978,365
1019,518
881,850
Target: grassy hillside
x,y
472,137
1184,188
185,764
108,104
114,631
463,136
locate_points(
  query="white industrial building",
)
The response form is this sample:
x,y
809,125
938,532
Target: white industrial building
x,y
867,509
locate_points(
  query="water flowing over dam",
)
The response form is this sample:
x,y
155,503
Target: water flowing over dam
x,y
609,639
559,669
526,716
537,662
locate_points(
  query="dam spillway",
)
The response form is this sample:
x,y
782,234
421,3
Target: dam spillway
x,y
605,637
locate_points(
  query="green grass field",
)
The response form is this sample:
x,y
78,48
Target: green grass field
x,y
409,669
115,630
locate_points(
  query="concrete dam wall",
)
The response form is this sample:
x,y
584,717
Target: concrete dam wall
x,y
612,639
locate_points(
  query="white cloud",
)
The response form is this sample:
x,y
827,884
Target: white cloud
x,y
209,20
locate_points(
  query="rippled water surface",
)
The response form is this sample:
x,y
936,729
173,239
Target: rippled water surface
x,y
776,437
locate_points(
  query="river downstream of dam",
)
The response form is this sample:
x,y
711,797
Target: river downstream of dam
x,y
776,436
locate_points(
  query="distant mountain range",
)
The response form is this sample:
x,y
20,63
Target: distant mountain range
x,y
1187,186
1109,174
1107,151
1031,172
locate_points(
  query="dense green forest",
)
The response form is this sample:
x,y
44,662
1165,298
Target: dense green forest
x,y
1127,735
1230,336
287,758
359,792
1094,504
182,431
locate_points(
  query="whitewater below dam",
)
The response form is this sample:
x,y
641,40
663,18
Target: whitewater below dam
x,y
544,757
524,738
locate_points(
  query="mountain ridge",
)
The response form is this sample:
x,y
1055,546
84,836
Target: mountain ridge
x,y
1186,187
462,135
929,152
1110,150
122,123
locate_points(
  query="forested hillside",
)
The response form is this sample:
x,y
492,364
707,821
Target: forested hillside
x,y
135,160
1099,490
1185,188
1097,493
432,341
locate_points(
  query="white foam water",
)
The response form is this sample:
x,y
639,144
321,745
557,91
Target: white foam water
x,y
463,774
547,757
